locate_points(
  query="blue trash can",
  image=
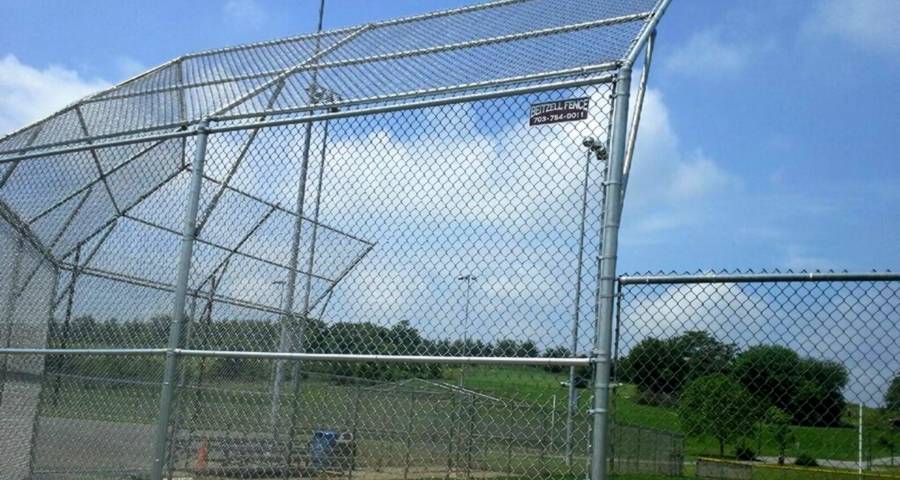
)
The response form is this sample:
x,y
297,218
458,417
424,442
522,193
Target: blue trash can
x,y
329,450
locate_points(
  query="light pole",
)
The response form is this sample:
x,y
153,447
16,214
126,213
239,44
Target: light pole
x,y
468,278
280,283
598,150
287,340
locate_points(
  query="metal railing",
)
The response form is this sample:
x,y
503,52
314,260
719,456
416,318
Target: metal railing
x,y
257,253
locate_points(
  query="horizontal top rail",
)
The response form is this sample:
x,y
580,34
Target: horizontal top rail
x,y
383,23
760,278
480,96
83,351
321,357
213,82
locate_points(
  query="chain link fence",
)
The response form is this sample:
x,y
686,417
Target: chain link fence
x,y
442,232
388,251
765,370
371,252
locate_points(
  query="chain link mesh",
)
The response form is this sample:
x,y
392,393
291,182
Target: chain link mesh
x,y
764,371
449,231
425,218
379,190
411,57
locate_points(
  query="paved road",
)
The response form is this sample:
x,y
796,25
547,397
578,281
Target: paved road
x,y
91,445
19,402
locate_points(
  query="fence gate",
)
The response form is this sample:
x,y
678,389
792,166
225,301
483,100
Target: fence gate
x,y
376,251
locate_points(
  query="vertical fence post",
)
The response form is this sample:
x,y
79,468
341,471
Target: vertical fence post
x,y
59,362
572,391
612,201
545,437
637,453
9,310
354,431
510,438
509,444
409,432
181,284
471,434
454,419
183,390
288,339
36,420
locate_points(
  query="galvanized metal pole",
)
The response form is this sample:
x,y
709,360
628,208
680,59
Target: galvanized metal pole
x,y
859,457
286,340
612,202
317,209
9,308
576,318
181,284
638,108
410,417
300,337
64,342
182,383
468,278
36,419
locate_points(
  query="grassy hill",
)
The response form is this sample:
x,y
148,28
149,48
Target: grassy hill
x,y
137,403
538,385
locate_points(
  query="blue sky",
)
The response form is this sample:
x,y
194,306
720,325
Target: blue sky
x,y
768,139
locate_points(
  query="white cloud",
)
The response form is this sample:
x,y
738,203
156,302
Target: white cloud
x,y
503,203
128,67
869,24
725,310
697,176
245,13
666,183
28,93
708,52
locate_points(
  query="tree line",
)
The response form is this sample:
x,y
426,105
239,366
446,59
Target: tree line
x,y
400,338
725,392
807,389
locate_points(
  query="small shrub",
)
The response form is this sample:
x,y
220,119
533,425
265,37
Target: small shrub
x,y
744,453
806,460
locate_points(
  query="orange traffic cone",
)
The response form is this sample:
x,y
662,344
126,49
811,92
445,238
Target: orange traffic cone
x,y
202,453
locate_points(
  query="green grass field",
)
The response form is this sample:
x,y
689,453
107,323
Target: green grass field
x,y
537,417
538,385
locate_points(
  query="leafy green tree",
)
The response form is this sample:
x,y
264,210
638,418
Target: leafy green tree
x,y
365,337
770,373
809,390
816,406
528,349
513,348
779,425
888,441
556,352
719,407
666,366
892,396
